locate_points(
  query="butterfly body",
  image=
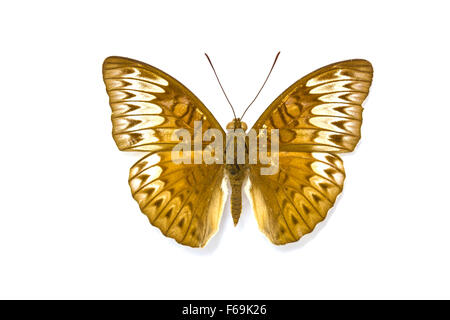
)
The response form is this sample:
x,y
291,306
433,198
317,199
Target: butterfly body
x,y
236,172
236,175
318,117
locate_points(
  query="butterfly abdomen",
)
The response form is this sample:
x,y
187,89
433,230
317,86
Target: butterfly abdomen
x,y
236,202
236,174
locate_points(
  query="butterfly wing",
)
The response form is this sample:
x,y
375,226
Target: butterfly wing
x,y
318,116
148,106
184,201
290,203
322,111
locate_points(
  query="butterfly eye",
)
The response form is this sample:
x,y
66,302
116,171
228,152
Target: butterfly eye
x,y
231,125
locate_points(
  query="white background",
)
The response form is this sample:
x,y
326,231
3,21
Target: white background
x,y
69,227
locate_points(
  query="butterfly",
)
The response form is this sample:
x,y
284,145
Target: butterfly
x,y
317,117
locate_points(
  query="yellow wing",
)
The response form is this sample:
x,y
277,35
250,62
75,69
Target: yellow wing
x,y
148,105
322,111
289,204
184,201
317,116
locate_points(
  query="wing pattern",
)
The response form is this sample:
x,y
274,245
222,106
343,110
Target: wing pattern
x,y
319,115
322,111
184,201
289,204
148,105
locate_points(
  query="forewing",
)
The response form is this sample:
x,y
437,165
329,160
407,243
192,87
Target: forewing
x,y
185,201
148,105
291,203
322,111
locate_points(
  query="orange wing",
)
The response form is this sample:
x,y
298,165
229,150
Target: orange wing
x,y
185,201
317,116
148,106
323,110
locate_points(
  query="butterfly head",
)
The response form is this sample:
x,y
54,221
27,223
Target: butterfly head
x,y
237,124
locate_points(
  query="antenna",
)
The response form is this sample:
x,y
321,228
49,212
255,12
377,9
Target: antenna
x,y
267,78
215,73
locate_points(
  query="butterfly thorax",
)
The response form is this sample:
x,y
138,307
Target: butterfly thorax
x,y
237,173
